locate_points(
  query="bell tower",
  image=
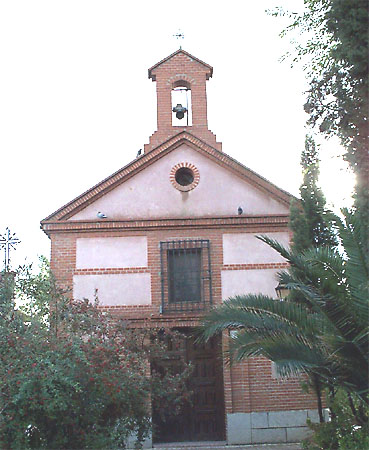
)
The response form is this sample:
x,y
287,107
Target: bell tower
x,y
181,98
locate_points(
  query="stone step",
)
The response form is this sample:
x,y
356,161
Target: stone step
x,y
223,446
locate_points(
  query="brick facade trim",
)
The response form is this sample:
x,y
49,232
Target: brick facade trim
x,y
180,77
255,266
194,170
111,270
155,320
247,223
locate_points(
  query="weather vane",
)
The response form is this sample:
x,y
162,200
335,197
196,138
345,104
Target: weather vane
x,y
179,35
8,241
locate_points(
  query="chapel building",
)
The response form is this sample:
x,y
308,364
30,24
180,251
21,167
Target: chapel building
x,y
169,236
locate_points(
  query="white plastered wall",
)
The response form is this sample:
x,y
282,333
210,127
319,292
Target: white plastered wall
x,y
150,195
239,282
246,249
112,253
114,289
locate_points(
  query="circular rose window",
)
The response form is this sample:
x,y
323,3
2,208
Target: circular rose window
x,y
184,176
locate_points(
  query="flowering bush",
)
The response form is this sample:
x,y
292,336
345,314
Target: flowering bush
x,y
72,377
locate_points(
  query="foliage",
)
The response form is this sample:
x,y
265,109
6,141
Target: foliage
x,y
312,226
326,332
335,55
341,432
310,222
75,378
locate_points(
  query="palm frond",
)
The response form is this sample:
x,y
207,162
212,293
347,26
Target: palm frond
x,y
357,262
322,328
276,347
262,313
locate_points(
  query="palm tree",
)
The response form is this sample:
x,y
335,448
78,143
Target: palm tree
x,y
322,328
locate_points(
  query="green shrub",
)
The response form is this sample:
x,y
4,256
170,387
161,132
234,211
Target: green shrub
x,y
342,432
73,377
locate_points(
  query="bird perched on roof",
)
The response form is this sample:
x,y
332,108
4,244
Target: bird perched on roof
x,y
101,215
139,153
239,210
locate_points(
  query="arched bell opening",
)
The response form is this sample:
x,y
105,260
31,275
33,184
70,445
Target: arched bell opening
x,y
181,104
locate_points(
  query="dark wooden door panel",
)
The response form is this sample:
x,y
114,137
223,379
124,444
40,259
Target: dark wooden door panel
x,y
204,418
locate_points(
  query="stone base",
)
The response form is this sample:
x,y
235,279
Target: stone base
x,y
131,441
261,427
269,427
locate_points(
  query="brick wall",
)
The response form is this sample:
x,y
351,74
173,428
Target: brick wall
x,y
181,67
250,385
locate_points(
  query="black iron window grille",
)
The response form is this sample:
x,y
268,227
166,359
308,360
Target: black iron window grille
x,y
185,275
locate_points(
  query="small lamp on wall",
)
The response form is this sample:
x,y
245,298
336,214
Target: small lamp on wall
x,y
281,291
233,334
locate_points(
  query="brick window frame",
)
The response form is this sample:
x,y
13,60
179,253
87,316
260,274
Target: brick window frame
x,y
195,173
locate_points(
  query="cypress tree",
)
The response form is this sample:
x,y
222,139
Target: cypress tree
x,y
310,221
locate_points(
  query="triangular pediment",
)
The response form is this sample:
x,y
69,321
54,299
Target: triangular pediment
x,y
144,189
206,66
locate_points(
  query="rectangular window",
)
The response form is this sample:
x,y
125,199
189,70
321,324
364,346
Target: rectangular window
x,y
185,275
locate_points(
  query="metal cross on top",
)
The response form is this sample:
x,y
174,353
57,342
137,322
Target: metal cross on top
x,y
179,35
8,241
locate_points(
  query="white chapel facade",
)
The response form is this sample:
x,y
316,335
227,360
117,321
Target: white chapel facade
x,y
173,234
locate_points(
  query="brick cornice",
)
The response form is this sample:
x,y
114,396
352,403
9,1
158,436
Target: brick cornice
x,y
156,320
245,222
149,158
111,271
256,266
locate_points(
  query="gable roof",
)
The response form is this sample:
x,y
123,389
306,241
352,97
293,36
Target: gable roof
x,y
140,163
209,75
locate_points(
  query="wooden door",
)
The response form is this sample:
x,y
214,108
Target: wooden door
x,y
203,418
207,410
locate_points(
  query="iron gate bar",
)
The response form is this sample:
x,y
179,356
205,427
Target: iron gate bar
x,y
168,280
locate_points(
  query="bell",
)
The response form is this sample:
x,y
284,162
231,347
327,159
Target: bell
x,y
180,111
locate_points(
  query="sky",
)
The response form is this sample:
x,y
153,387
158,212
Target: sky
x,y
76,103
